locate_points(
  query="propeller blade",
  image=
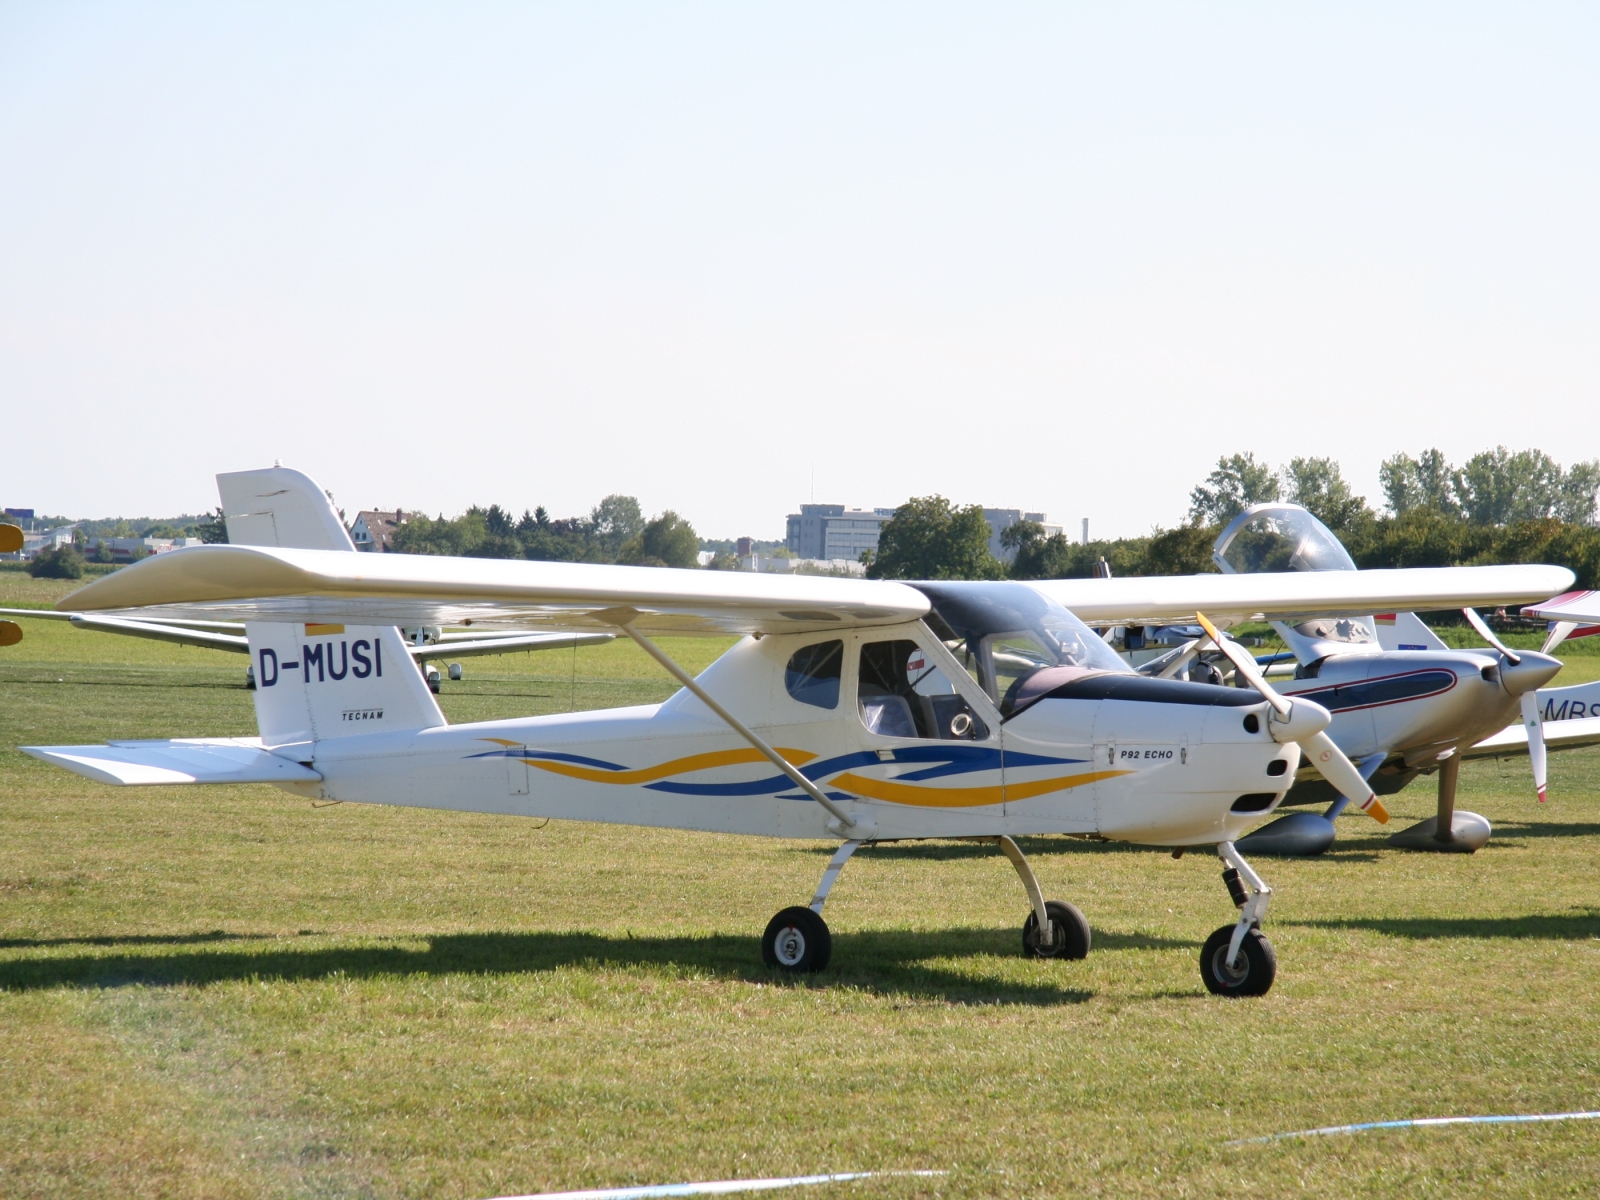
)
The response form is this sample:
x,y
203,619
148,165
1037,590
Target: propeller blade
x,y
1245,665
1338,770
1322,751
1487,634
1534,722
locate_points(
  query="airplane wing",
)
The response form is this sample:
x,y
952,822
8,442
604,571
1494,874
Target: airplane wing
x,y
1558,735
264,583
201,633
1581,608
183,635
1231,599
50,614
183,760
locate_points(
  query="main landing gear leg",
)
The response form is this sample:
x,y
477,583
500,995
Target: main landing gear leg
x,y
797,939
1449,831
1237,960
1054,929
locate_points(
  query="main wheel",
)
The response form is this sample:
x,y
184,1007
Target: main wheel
x,y
1069,933
797,940
1251,975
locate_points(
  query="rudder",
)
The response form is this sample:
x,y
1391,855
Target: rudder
x,y
315,682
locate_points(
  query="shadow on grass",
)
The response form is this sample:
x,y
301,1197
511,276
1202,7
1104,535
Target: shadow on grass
x,y
1565,927
138,939
213,685
887,963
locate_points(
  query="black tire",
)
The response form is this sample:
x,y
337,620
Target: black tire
x,y
1069,933
797,940
1252,975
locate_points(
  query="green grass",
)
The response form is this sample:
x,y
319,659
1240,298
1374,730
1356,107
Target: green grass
x,y
230,992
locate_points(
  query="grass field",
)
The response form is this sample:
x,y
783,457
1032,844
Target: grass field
x,y
230,992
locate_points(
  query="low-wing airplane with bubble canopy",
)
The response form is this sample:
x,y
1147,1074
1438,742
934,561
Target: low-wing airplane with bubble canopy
x,y
850,710
1403,703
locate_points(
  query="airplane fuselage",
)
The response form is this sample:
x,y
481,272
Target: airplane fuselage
x,y
1169,763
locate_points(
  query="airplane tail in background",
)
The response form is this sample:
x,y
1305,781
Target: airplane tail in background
x,y
315,682
280,506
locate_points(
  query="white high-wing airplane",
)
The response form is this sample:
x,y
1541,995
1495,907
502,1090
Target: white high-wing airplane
x,y
851,710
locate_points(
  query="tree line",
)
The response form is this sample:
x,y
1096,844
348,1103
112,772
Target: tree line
x,y
1498,507
614,531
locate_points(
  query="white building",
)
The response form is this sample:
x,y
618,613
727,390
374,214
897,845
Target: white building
x,y
832,531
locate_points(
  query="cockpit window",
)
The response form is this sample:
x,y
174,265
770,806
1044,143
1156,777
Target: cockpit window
x,y
1006,632
902,693
1279,537
812,675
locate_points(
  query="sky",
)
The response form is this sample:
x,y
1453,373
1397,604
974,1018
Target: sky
x,y
729,258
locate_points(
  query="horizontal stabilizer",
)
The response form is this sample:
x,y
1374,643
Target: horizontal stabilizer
x,y
183,760
1558,735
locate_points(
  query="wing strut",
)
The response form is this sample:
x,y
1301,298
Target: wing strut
x,y
621,619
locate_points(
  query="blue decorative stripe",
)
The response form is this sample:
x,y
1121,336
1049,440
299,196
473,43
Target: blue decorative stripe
x,y
946,759
943,758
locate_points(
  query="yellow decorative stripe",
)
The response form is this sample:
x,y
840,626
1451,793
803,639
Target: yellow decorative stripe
x,y
961,797
1040,787
322,630
695,762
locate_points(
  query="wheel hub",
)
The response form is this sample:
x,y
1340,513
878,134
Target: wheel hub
x,y
790,946
1231,976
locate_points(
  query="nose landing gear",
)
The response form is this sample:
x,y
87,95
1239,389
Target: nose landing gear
x,y
1237,960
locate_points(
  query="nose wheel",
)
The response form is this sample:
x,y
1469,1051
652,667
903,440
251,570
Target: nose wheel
x,y
1254,966
1237,960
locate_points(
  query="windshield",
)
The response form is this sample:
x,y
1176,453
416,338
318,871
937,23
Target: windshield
x,y
1004,633
1278,537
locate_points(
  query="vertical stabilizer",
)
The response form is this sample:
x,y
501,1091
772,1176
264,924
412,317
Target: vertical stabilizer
x,y
279,506
315,682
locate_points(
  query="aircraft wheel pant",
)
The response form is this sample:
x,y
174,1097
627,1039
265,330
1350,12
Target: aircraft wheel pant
x,y
1069,933
1252,972
797,941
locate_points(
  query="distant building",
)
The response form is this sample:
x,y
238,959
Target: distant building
x,y
832,531
374,530
127,549
1002,519
829,531
770,565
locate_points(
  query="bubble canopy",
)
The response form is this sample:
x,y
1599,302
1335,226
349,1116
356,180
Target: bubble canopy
x,y
1278,537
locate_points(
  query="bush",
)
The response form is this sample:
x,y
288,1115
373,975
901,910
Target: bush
x,y
61,563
